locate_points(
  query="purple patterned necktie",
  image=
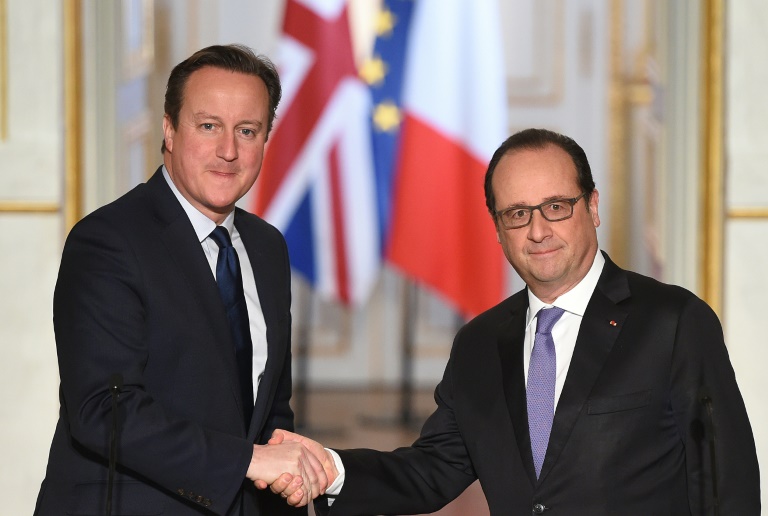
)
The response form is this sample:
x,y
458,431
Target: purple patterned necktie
x,y
540,392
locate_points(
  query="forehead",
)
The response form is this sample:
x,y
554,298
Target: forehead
x,y
528,176
212,84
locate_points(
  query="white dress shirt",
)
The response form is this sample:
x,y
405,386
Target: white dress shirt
x,y
203,228
566,329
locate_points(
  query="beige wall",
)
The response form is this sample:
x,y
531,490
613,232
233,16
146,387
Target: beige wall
x,y
746,206
31,174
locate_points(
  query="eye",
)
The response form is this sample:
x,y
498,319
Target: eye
x,y
207,126
518,213
555,206
247,132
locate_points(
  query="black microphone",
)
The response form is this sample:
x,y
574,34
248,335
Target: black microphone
x,y
115,387
709,428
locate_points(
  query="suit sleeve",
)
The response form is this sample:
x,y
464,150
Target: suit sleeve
x,y
418,479
99,320
710,413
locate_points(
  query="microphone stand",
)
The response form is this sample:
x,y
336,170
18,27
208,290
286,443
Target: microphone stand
x,y
115,387
706,400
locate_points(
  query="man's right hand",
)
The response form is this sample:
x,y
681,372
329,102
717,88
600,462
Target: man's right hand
x,y
287,485
289,459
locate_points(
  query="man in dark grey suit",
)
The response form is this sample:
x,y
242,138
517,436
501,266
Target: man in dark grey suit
x,y
641,411
139,313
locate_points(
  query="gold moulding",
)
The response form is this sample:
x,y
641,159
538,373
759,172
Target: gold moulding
x,y
760,212
29,207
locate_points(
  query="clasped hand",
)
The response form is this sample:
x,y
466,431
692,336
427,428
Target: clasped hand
x,y
293,466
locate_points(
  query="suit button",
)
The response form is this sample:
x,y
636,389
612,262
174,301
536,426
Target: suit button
x,y
199,499
181,492
207,502
539,508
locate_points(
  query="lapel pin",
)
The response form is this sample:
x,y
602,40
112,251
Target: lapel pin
x,y
612,323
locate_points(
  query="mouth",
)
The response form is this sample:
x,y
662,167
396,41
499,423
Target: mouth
x,y
222,173
542,253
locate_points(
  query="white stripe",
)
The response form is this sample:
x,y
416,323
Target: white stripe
x,y
359,196
454,75
294,61
328,9
322,221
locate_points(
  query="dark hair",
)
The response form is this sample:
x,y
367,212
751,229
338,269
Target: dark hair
x,y
539,139
235,58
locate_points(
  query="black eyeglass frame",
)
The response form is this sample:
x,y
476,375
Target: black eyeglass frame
x,y
572,201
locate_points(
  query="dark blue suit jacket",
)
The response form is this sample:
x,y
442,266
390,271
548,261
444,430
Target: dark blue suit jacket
x,y
136,296
630,435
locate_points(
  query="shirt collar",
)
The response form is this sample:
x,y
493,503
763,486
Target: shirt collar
x,y
203,225
576,299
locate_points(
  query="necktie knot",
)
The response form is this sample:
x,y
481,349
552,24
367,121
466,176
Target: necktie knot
x,y
547,318
220,235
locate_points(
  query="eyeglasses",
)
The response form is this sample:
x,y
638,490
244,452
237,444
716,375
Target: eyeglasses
x,y
520,216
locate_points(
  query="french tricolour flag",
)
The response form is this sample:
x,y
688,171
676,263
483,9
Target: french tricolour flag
x,y
317,185
454,116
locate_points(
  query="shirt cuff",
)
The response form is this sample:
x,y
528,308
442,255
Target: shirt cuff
x,y
335,488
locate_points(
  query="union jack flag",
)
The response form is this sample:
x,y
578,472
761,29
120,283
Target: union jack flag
x,y
317,185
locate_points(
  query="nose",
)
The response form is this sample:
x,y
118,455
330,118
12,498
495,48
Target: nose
x,y
539,228
227,147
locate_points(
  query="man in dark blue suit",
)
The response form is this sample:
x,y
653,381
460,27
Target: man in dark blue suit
x,y
137,299
633,411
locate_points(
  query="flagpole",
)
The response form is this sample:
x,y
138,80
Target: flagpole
x,y
300,401
409,306
404,417
302,357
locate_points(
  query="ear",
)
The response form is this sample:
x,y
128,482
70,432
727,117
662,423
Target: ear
x,y
594,200
168,132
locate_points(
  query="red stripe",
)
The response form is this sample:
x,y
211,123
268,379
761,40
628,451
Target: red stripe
x,y
339,242
441,232
330,42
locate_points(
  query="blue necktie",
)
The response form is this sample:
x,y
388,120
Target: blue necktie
x,y
230,282
540,392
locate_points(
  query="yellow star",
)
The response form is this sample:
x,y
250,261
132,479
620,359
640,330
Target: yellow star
x,y
387,117
385,22
373,71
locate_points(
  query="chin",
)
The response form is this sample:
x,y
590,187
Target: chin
x,y
547,274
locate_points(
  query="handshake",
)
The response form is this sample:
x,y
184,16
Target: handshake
x,y
295,467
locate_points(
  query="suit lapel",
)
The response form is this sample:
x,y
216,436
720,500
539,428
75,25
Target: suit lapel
x,y
600,327
180,240
266,286
511,344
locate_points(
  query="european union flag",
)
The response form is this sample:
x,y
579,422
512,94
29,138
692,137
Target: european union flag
x,y
383,72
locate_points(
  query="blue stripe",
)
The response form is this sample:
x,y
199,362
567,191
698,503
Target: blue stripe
x,y
391,48
300,238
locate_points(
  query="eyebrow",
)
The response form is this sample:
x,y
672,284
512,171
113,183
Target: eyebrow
x,y
203,115
546,199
